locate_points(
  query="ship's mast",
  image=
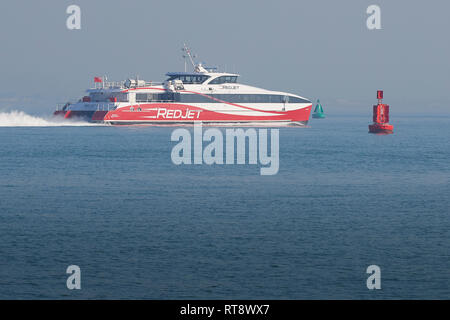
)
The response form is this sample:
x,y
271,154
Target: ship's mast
x,y
188,54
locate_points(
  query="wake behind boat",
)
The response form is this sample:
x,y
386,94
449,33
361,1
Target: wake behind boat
x,y
202,95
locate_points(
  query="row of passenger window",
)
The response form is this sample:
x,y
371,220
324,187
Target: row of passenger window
x,y
217,98
150,97
106,97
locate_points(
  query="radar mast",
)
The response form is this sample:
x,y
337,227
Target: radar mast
x,y
188,54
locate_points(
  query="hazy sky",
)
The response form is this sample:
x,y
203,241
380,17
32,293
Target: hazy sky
x,y
318,49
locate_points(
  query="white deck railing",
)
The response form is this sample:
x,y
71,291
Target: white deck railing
x,y
99,106
121,84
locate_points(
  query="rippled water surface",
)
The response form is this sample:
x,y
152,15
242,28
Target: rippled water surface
x,y
110,200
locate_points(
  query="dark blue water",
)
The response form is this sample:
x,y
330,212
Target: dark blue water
x,y
110,200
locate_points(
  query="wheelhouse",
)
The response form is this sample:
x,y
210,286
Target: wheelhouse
x,y
196,78
187,78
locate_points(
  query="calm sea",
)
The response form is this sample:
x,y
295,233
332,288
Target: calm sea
x,y
110,200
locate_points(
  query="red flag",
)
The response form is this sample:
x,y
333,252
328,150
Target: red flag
x,y
98,79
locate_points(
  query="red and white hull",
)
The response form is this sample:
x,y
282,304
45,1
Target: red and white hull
x,y
183,113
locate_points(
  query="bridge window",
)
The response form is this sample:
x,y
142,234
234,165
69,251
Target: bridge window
x,y
224,79
189,79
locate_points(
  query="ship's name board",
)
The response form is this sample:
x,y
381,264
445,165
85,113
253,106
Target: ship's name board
x,y
163,113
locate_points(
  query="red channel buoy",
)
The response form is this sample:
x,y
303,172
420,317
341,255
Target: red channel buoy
x,y
381,117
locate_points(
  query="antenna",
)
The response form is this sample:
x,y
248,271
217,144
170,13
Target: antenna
x,y
188,54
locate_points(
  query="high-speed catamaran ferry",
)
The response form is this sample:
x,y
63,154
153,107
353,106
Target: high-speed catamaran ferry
x,y
185,97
